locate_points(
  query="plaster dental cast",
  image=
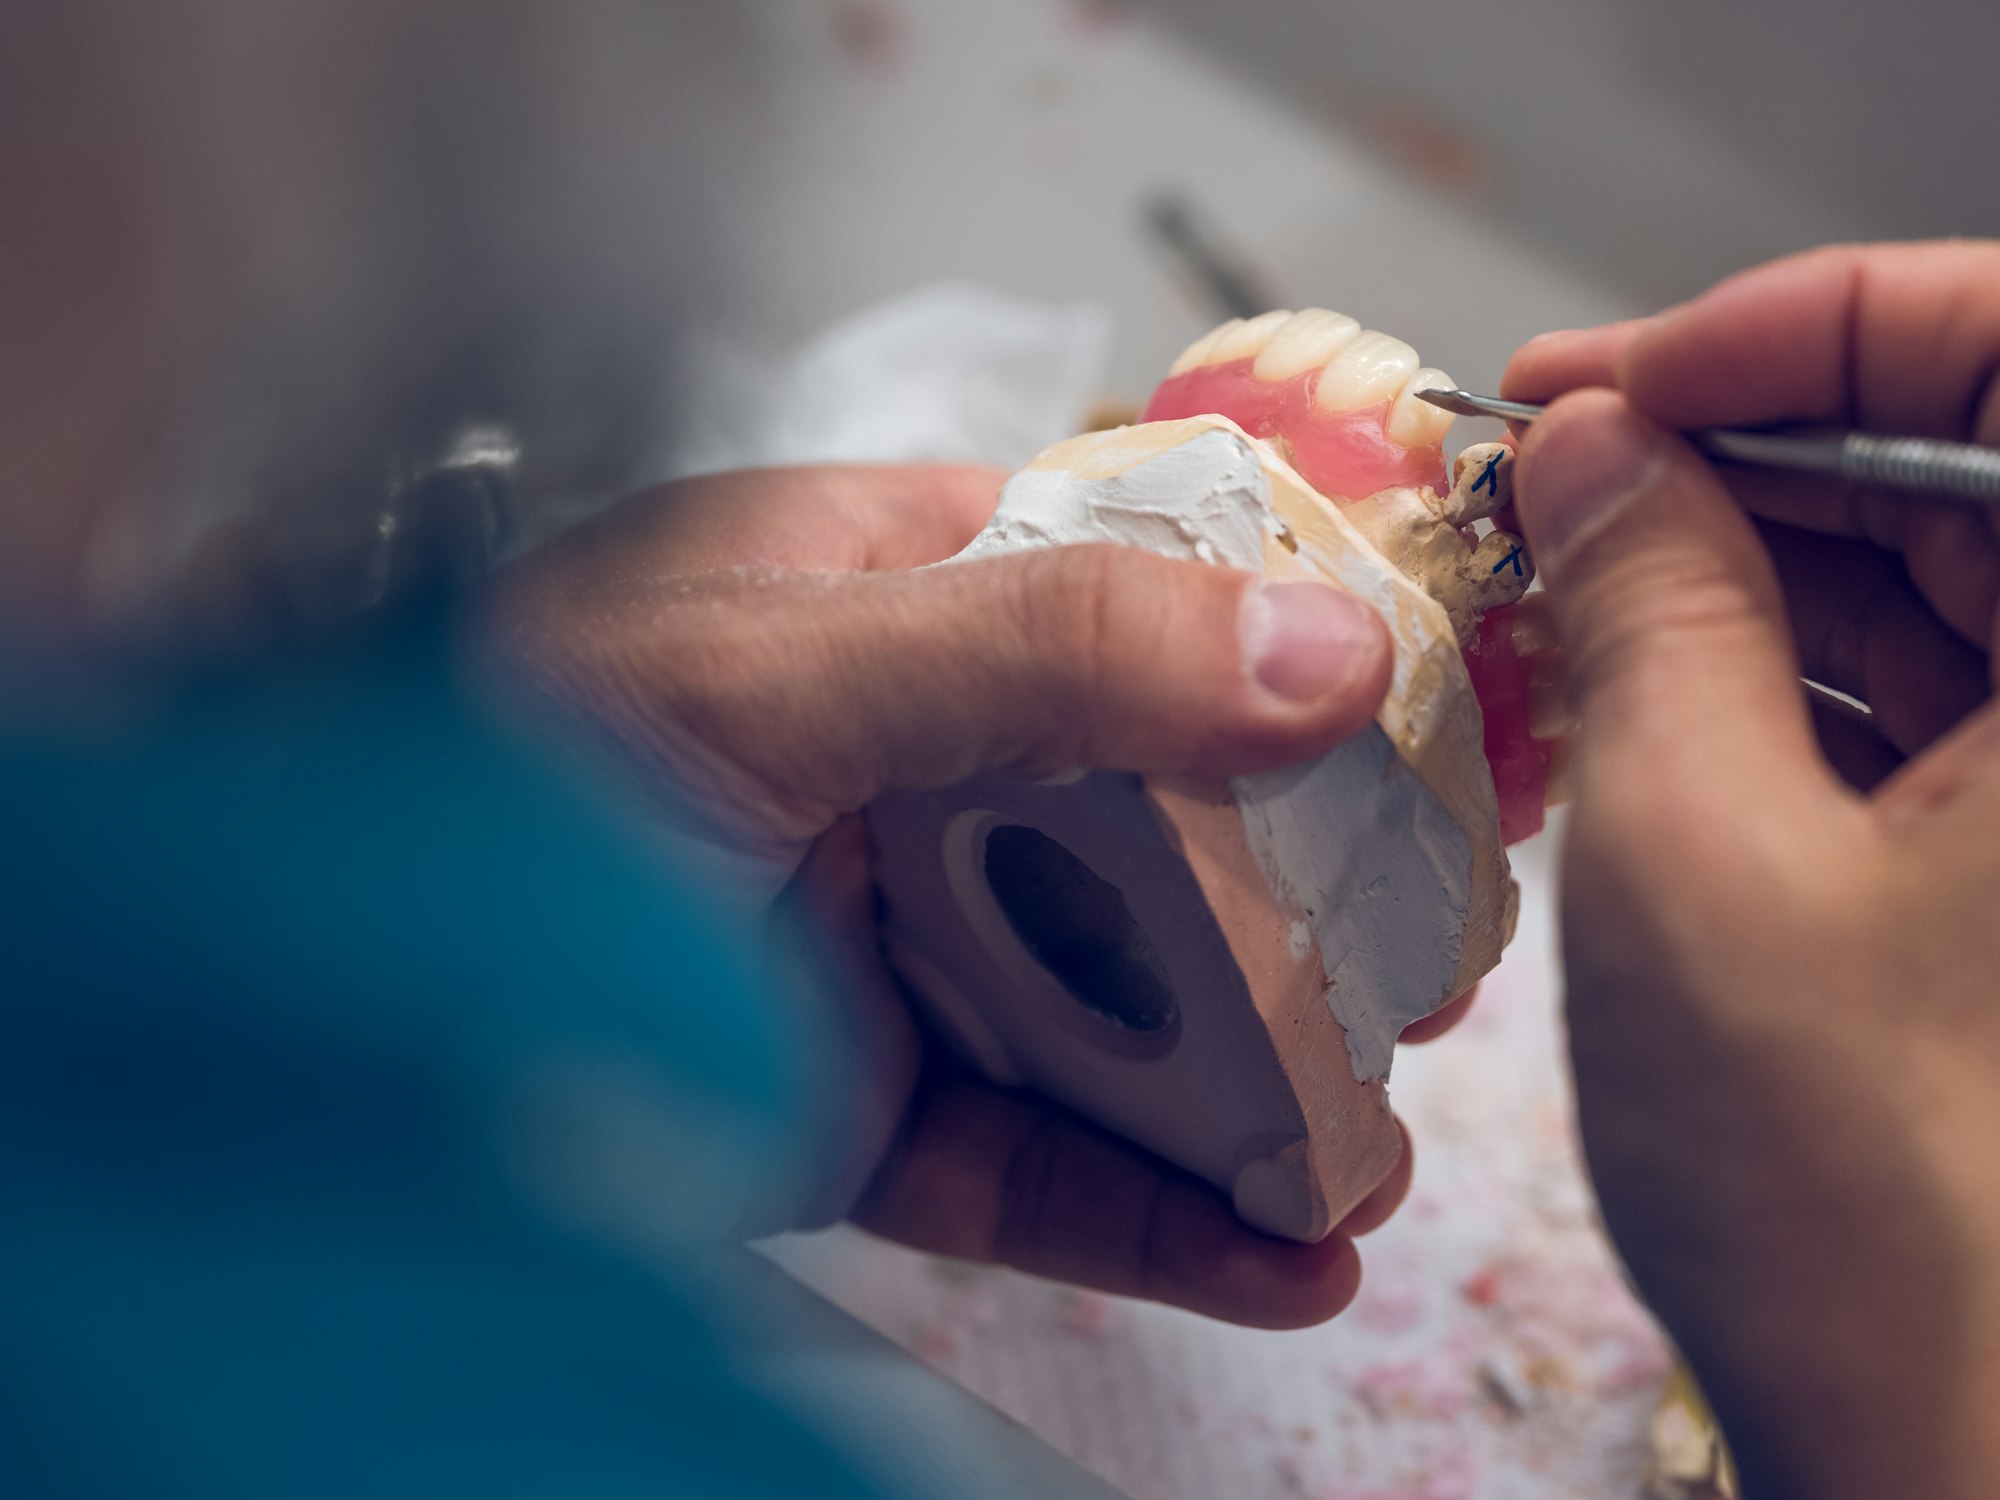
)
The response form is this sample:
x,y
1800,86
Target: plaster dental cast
x,y
1261,941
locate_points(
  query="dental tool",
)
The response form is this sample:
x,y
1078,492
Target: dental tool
x,y
1223,279
1933,466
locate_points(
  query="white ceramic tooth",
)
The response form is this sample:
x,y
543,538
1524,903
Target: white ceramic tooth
x,y
1562,778
1418,424
1308,341
1196,354
1549,716
1368,372
1535,627
1246,340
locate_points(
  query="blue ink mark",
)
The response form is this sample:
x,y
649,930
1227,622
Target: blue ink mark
x,y
1513,557
1490,476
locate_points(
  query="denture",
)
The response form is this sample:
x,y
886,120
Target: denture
x,y
1219,969
1339,403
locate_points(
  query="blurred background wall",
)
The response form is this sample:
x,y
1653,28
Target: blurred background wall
x,y
1657,146
376,231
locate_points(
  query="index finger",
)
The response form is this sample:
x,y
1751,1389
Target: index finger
x,y
1897,339
1553,364
1903,339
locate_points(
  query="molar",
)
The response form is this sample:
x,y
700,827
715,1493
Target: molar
x,y
1308,341
1418,424
1549,714
1369,371
1534,627
1562,780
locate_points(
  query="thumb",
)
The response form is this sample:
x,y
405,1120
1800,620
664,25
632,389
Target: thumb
x,y
1683,673
1033,663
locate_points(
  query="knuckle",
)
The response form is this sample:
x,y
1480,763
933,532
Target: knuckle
x,y
1026,1192
1077,618
1077,588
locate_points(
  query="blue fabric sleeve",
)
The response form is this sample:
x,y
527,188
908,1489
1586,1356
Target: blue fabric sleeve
x,y
305,982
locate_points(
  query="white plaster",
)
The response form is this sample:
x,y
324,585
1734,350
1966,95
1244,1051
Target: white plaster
x,y
1207,499
1358,841
1355,841
1301,939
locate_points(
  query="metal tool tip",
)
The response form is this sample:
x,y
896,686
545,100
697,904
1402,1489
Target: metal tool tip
x,y
1467,404
1459,403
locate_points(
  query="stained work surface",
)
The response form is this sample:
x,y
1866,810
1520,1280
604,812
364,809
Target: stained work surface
x,y
1494,1352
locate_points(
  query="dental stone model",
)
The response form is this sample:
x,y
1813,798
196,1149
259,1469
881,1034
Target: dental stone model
x,y
1219,970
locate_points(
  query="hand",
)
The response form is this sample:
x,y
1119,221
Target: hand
x,y
757,655
1779,931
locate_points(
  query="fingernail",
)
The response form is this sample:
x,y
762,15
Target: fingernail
x,y
1306,641
1580,471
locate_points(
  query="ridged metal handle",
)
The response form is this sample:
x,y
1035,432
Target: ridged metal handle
x,y
1931,466
1957,469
